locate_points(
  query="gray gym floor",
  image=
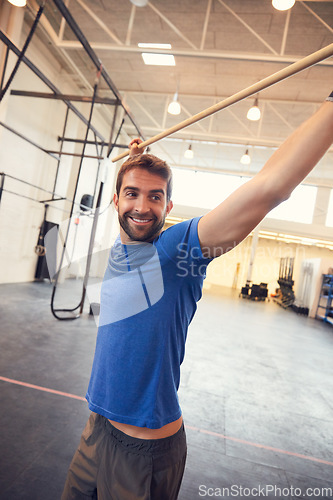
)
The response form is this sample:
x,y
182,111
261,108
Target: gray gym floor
x,y
257,398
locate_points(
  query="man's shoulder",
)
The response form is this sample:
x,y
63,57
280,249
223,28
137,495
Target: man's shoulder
x,y
180,228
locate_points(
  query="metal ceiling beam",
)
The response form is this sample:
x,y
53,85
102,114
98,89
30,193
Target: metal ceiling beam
x,y
99,22
130,26
204,31
172,26
317,17
285,33
94,143
215,99
54,155
204,54
260,38
64,97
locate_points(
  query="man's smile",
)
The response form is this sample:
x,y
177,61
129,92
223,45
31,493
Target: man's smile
x,y
139,220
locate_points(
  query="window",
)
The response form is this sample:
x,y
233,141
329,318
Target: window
x,y
329,218
207,190
202,189
298,208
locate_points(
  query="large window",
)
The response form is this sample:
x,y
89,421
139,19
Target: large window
x,y
329,218
207,190
202,189
299,207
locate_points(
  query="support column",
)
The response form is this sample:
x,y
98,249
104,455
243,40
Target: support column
x,y
255,238
321,206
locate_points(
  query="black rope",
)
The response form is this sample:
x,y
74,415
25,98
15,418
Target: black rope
x,y
23,51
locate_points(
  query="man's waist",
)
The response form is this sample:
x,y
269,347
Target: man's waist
x,y
147,433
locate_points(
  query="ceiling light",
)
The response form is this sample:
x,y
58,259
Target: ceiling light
x,y
283,4
159,59
18,3
154,45
189,153
174,107
139,3
245,159
253,113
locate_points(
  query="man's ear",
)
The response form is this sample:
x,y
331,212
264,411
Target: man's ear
x,y
169,207
116,201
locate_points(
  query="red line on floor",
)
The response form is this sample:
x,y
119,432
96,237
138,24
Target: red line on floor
x,y
45,389
249,443
203,431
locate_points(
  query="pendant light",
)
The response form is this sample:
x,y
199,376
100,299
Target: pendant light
x,y
18,3
283,4
245,159
189,153
253,113
174,107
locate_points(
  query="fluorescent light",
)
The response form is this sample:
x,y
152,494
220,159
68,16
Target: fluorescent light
x,y
154,45
283,4
139,3
267,237
18,3
159,59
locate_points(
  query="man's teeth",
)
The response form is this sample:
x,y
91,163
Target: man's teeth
x,y
141,220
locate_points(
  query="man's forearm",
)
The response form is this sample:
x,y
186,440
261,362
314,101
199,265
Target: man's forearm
x,y
298,155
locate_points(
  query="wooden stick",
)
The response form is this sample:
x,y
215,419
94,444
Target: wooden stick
x,y
284,73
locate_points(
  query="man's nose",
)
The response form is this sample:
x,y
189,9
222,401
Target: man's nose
x,y
142,205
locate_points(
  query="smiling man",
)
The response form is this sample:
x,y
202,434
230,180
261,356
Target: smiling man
x,y
143,197
134,446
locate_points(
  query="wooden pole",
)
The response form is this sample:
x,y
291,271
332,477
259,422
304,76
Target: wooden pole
x,y
284,73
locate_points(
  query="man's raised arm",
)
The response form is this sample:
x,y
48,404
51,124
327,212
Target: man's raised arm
x,y
231,221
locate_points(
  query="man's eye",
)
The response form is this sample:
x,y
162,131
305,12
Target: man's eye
x,y
156,197
130,194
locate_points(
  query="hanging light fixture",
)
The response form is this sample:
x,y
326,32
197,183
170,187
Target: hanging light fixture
x,y
174,107
189,153
18,3
245,159
283,4
253,113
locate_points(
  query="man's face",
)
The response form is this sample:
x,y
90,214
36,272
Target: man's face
x,y
141,205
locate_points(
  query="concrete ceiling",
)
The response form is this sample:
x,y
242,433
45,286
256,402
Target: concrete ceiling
x,y
220,47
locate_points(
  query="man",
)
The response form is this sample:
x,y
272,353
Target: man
x,y
134,445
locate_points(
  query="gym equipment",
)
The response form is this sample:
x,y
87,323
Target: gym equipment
x,y
254,292
291,70
285,296
302,302
326,299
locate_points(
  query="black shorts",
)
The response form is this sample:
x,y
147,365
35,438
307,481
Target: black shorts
x,y
114,466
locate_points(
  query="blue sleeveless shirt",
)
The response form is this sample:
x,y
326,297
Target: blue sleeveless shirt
x,y
148,299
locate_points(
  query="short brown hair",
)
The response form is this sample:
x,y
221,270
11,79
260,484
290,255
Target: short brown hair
x,y
152,164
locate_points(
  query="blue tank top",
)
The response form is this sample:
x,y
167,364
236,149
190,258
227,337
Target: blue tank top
x,y
148,299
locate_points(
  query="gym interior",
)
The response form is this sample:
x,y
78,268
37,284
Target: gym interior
x,y
79,80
